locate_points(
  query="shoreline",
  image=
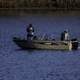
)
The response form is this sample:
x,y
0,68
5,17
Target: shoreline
x,y
24,12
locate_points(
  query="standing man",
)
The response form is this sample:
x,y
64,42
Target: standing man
x,y
30,32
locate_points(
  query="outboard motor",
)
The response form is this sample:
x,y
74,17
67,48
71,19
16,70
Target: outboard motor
x,y
30,32
75,44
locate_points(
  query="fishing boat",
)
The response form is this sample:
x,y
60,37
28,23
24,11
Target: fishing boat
x,y
43,44
34,43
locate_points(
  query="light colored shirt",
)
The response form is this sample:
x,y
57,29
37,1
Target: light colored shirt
x,y
66,36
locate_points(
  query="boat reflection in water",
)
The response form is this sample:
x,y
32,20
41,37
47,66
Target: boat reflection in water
x,y
33,42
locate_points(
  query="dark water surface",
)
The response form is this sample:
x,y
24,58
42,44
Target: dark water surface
x,y
16,64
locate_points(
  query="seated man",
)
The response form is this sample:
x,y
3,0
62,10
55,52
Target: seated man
x,y
64,36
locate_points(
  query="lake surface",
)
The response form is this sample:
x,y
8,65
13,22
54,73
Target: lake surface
x,y
16,64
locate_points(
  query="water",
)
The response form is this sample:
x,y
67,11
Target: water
x,y
16,64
